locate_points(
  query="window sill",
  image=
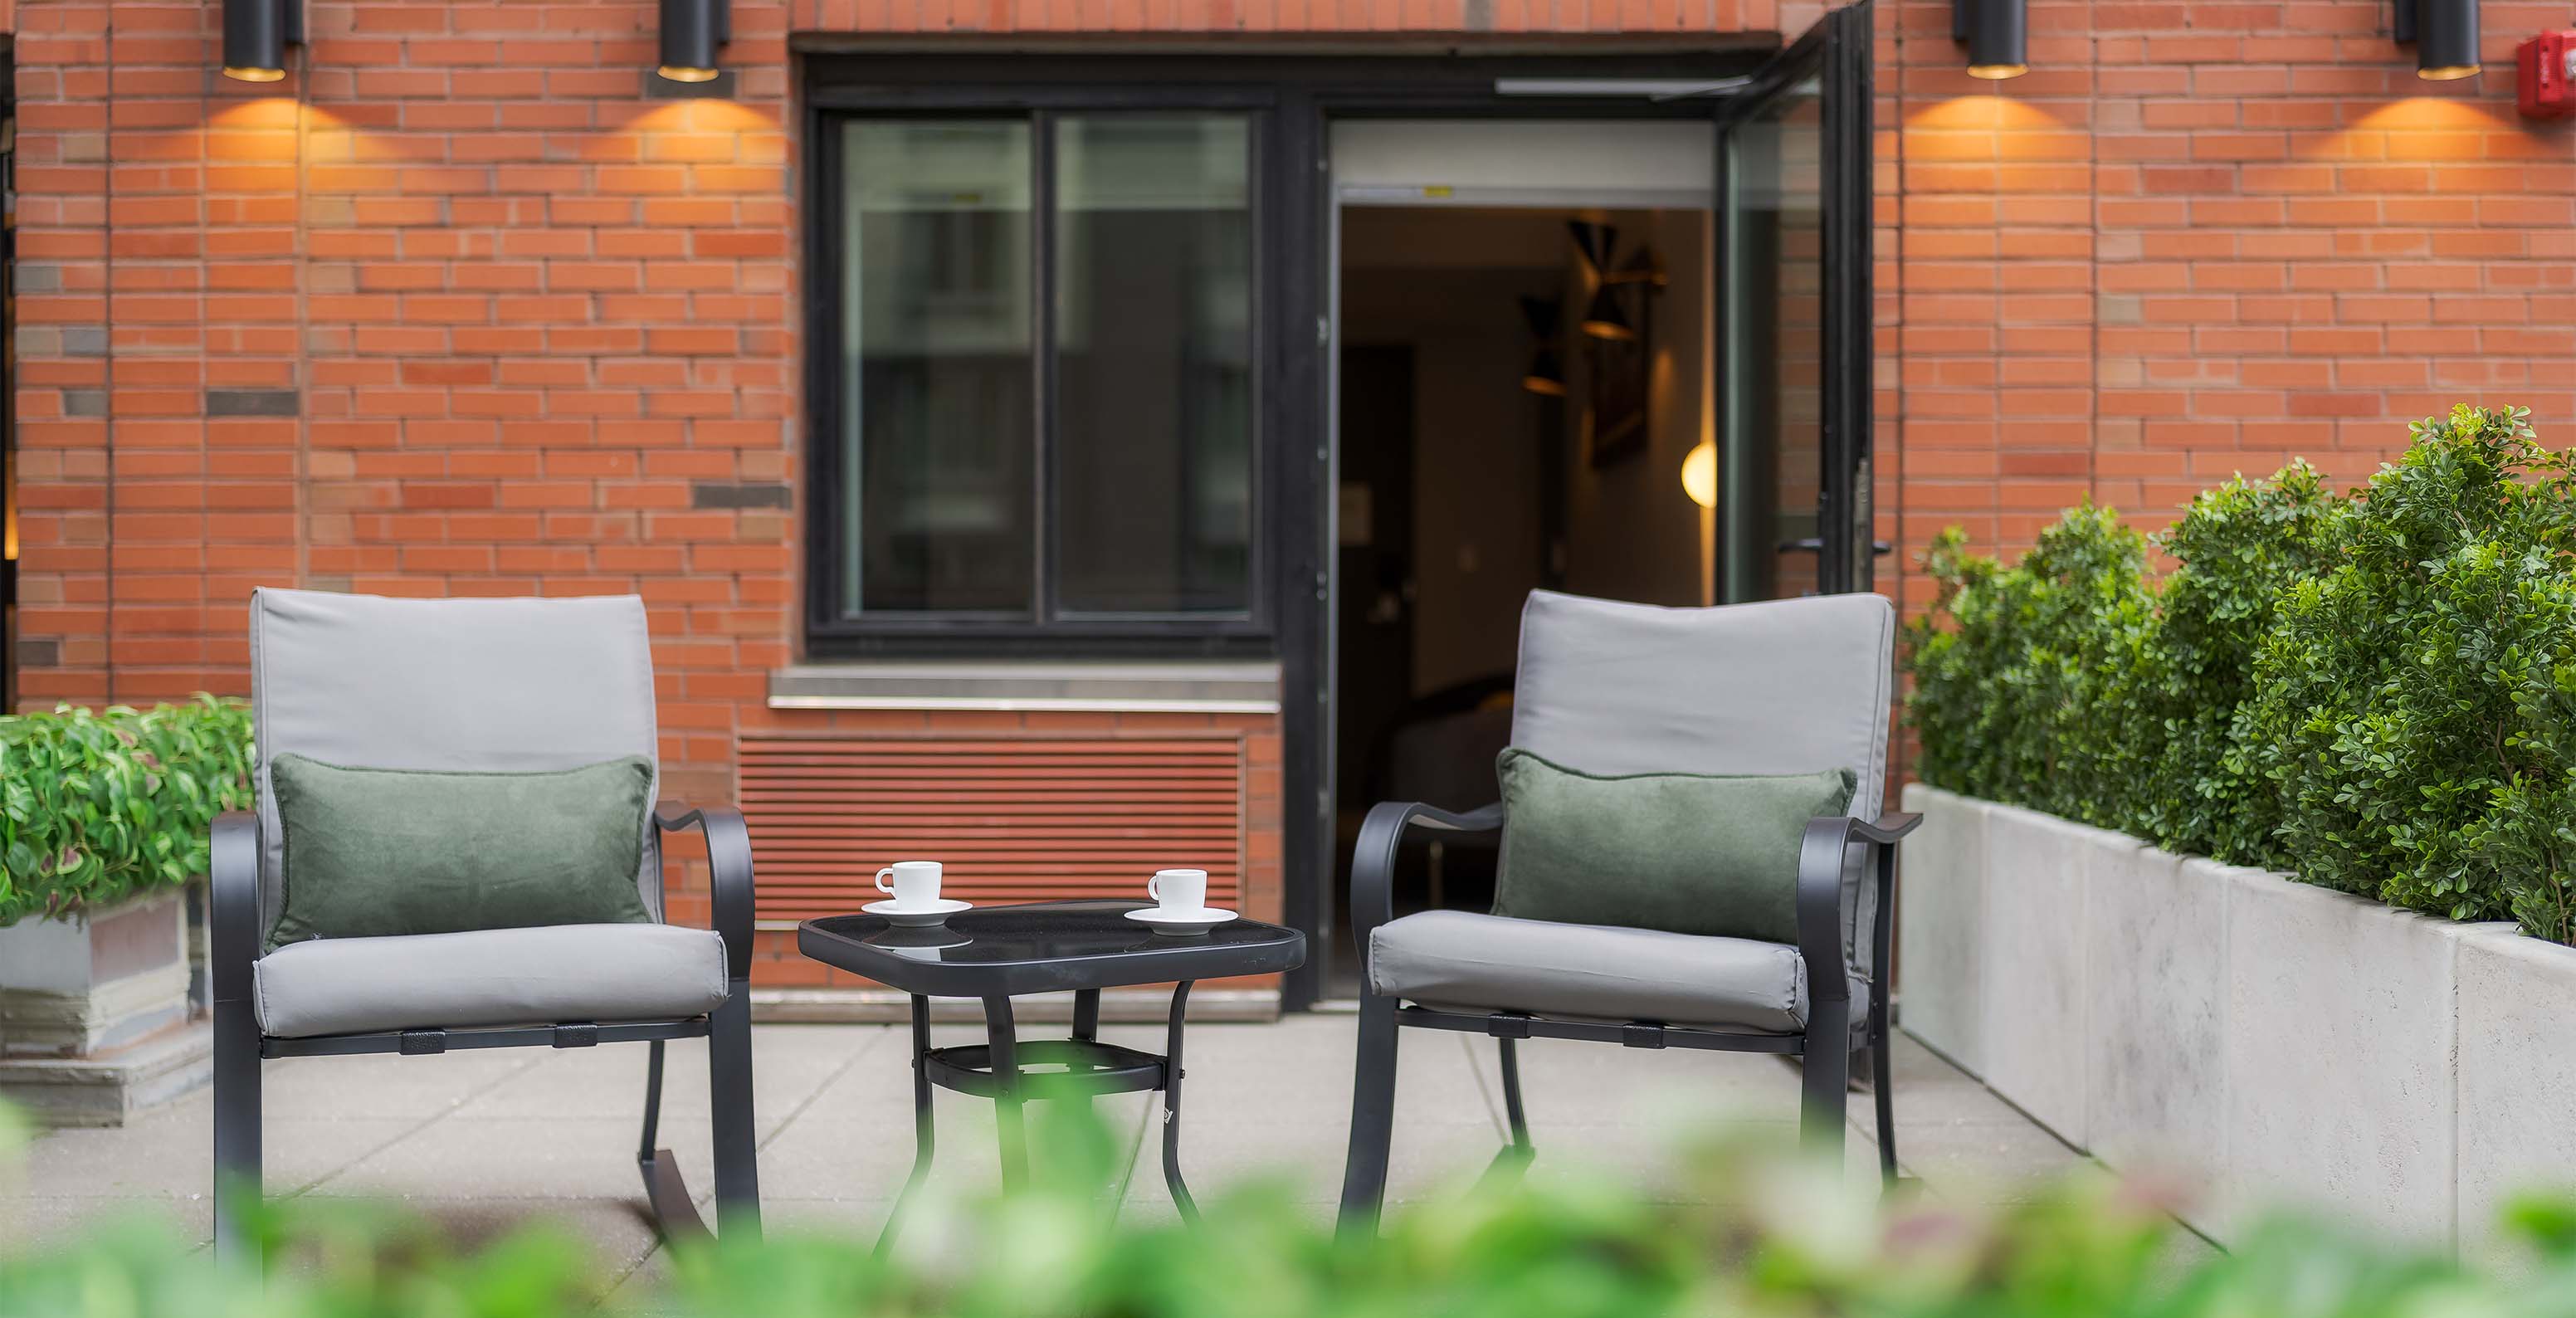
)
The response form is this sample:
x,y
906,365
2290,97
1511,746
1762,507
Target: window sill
x,y
1108,686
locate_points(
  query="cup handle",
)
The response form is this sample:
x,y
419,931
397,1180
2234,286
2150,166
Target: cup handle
x,y
1153,887
884,880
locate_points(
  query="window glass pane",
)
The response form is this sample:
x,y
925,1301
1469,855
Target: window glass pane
x,y
1153,363
936,327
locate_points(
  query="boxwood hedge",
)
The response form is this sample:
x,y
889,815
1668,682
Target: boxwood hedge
x,y
2374,690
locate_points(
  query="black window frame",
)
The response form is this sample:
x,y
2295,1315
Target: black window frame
x,y
833,632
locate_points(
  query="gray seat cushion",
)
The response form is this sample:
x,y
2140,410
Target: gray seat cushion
x,y
1461,961
536,976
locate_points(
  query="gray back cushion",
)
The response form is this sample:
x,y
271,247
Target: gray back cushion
x,y
1787,686
464,684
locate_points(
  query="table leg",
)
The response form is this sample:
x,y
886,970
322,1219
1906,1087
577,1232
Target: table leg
x,y
922,1139
1006,1092
1172,1074
1086,1027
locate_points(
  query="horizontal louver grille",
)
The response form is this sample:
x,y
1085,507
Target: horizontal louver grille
x,y
1014,820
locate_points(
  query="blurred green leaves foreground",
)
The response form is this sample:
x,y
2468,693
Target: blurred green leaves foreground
x,y
1780,1238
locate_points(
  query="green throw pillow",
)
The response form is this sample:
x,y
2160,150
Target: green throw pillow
x,y
371,852
1683,852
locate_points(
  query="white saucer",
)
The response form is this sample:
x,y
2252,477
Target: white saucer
x,y
1182,922
917,917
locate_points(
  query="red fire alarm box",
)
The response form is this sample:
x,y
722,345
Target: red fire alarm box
x,y
2544,69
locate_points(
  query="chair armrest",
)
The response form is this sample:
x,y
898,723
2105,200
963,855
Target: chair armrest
x,y
1373,857
729,866
233,934
1820,891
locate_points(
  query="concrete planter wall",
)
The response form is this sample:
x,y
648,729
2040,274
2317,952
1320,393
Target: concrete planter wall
x,y
94,1017
2265,1042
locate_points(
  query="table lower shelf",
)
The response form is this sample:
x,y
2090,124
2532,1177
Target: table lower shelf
x,y
1092,1067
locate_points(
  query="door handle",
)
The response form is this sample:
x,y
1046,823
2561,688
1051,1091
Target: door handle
x,y
1816,545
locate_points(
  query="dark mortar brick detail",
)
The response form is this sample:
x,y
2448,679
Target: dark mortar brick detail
x,y
39,654
740,494
84,402
253,402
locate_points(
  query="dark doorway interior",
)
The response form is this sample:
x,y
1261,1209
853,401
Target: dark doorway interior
x,y
1463,488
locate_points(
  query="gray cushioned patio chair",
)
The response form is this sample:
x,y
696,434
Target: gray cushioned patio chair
x,y
478,685
1791,686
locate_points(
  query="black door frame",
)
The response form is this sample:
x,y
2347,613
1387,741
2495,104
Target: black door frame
x,y
1837,53
1301,94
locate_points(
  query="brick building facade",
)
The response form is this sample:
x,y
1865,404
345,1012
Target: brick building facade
x,y
467,304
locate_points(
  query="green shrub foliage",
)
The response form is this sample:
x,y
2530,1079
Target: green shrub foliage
x,y
2376,692
97,806
2021,673
2417,703
1774,1239
2237,548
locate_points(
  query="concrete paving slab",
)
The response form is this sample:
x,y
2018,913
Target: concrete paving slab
x,y
482,1141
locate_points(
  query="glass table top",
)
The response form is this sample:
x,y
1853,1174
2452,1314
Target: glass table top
x,y
1068,935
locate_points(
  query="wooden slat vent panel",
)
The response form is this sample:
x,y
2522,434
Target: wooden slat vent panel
x,y
1013,819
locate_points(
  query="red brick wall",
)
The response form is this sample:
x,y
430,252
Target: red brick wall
x,y
2200,238
456,309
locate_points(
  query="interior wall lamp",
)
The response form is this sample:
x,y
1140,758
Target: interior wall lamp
x,y
692,32
256,35
2444,34
1546,374
1997,35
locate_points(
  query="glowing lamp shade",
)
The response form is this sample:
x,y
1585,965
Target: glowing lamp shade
x,y
2444,34
256,35
1997,35
692,32
1699,474
1606,319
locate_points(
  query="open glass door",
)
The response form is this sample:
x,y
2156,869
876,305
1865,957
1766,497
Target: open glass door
x,y
1793,292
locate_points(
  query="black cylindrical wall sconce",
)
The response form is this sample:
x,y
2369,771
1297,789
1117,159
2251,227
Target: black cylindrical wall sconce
x,y
1997,35
256,35
692,32
2444,34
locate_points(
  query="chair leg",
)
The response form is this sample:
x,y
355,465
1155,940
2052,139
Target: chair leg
x,y
1882,1084
666,1192
737,1139
1827,1077
238,1181
1372,1118
1512,1112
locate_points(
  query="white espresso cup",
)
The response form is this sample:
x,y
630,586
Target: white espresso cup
x,y
915,883
1181,892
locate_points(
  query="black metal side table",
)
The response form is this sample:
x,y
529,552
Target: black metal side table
x,y
997,953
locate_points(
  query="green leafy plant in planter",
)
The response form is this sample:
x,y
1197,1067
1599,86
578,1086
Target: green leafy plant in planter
x,y
98,806
2027,678
2237,549
2417,704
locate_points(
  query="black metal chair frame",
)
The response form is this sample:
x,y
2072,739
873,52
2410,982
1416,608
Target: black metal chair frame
x,y
1825,1046
234,934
